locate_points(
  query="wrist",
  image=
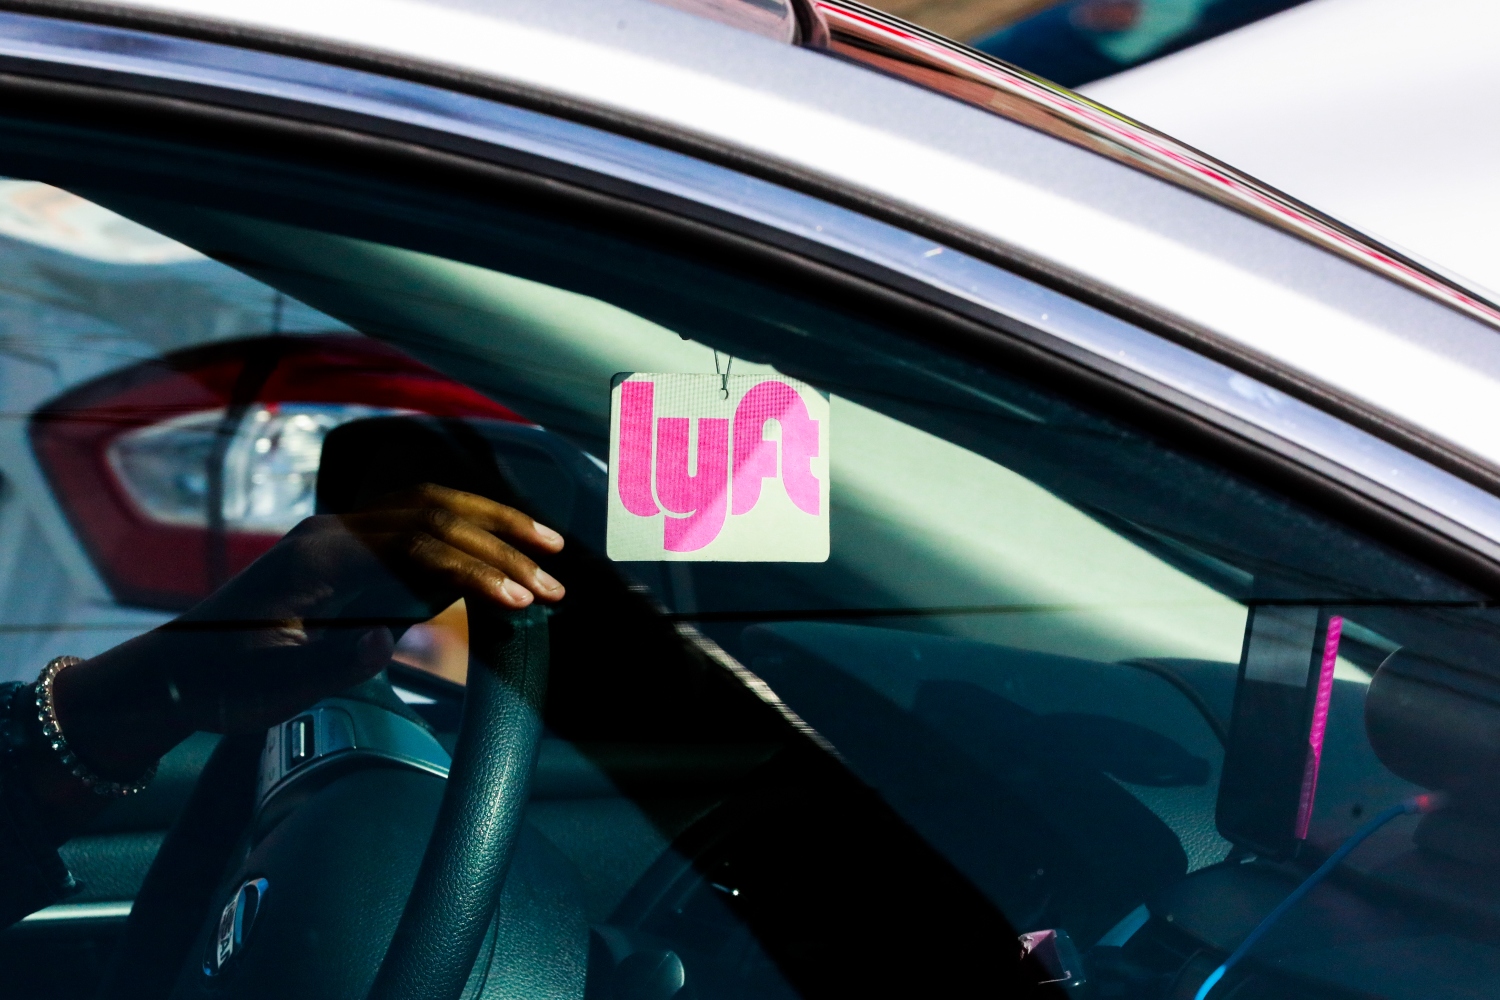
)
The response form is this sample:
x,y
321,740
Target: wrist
x,y
115,713
56,738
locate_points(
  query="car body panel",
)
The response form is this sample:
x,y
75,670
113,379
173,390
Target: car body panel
x,y
866,36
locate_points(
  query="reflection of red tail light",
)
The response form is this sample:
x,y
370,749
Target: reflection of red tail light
x,y
178,472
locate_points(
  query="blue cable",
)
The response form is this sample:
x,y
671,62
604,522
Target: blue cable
x,y
1418,804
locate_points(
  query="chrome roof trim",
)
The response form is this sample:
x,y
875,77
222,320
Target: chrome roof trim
x,y
1073,118
1388,474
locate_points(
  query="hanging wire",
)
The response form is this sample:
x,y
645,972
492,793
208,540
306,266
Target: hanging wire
x,y
724,375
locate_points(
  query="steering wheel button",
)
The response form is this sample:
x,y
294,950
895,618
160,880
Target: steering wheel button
x,y
301,741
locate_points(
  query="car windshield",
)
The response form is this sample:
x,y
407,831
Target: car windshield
x,y
1104,683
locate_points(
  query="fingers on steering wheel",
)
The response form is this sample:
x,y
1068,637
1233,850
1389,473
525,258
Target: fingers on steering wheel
x,y
486,514
474,540
512,582
455,556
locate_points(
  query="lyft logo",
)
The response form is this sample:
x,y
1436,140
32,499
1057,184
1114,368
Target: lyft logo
x,y
707,467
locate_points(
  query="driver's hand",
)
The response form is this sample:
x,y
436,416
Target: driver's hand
x,y
314,605
304,621
441,544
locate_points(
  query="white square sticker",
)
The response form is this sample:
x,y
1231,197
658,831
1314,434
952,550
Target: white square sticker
x,y
717,468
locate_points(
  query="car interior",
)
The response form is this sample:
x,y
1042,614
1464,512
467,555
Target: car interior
x,y
1013,700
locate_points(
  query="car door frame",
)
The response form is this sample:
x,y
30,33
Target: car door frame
x,y
967,302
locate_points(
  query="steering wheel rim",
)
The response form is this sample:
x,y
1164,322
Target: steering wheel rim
x,y
450,907
445,918
179,886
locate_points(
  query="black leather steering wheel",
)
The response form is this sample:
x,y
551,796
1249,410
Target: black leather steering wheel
x,y
349,912
383,884
449,909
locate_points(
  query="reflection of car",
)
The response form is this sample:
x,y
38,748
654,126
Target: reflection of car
x,y
1162,536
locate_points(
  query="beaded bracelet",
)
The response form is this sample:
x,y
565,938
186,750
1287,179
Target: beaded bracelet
x,y
46,714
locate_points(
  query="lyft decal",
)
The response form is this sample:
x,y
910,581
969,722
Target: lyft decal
x,y
723,468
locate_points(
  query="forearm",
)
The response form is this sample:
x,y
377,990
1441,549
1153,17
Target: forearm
x,y
117,709
270,642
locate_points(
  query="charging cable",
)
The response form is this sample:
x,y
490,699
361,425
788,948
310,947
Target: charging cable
x,y
1419,804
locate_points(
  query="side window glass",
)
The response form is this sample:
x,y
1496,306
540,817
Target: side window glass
x,y
1057,675
168,412
1095,673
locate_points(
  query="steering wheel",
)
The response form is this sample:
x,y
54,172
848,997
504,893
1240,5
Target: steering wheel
x,y
382,884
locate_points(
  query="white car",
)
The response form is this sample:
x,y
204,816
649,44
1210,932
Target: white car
x,y
1008,551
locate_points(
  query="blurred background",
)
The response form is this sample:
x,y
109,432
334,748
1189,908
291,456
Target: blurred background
x,y
1075,42
1380,113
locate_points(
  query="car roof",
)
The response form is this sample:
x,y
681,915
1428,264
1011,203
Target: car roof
x,y
977,180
